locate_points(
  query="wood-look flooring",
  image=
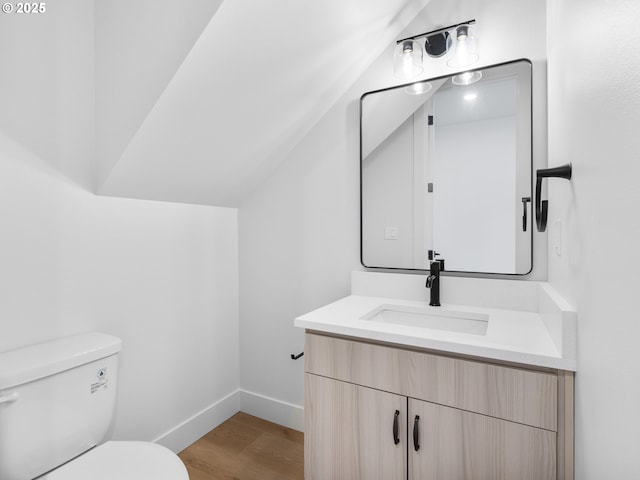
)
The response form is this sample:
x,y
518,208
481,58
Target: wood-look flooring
x,y
246,448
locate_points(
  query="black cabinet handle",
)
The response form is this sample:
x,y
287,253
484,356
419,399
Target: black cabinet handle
x,y
396,439
416,434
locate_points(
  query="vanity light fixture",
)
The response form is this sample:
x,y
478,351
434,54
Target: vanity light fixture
x,y
408,54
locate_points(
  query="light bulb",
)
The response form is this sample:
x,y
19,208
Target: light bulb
x,y
408,59
465,51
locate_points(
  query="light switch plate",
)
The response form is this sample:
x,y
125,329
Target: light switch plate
x,y
391,233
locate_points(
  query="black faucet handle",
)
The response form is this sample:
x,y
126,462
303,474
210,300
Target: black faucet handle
x,y
432,255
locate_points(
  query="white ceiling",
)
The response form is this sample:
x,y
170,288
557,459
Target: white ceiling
x,y
203,112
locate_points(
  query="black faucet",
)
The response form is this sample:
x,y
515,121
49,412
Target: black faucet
x,y
433,281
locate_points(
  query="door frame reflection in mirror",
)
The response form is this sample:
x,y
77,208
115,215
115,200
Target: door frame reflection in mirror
x,y
388,211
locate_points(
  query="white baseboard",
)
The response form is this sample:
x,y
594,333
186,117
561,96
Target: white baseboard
x,y
183,435
277,411
271,409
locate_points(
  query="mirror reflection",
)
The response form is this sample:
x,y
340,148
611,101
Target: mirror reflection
x,y
446,167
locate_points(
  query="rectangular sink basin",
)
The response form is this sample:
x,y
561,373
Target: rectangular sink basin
x,y
433,318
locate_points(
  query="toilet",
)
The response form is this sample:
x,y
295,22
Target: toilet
x,y
57,405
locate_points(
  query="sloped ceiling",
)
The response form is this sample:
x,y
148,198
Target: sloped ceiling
x,y
198,106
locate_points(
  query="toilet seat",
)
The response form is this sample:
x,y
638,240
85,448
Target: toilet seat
x,y
123,461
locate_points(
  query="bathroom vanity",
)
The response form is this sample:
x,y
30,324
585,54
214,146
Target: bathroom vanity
x,y
473,379
481,387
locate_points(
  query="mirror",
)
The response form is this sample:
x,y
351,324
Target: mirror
x,y
446,166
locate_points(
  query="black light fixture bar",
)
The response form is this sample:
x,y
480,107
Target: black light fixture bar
x,y
440,30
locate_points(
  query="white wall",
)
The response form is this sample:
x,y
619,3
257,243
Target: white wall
x,y
299,241
139,46
46,85
487,215
163,277
299,232
388,199
594,113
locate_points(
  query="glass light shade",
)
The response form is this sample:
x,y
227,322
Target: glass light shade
x,y
466,78
418,88
465,48
407,59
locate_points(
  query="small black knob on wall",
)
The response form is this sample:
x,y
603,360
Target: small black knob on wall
x,y
295,357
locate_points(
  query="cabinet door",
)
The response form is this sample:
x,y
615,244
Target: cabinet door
x,y
455,444
349,432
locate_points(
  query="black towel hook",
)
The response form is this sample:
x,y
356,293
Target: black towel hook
x,y
542,205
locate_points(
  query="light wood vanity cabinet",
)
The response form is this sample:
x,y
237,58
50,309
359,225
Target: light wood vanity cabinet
x,y
477,420
456,444
352,431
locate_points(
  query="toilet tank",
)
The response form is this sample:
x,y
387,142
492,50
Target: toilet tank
x,y
57,400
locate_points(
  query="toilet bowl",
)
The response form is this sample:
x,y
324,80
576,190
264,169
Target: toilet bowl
x,y
122,461
57,407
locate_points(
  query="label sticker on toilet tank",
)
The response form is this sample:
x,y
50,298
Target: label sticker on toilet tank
x,y
102,383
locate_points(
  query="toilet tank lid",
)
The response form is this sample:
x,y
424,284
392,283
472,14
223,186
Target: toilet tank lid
x,y
34,362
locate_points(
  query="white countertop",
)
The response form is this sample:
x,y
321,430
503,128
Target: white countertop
x,y
535,338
